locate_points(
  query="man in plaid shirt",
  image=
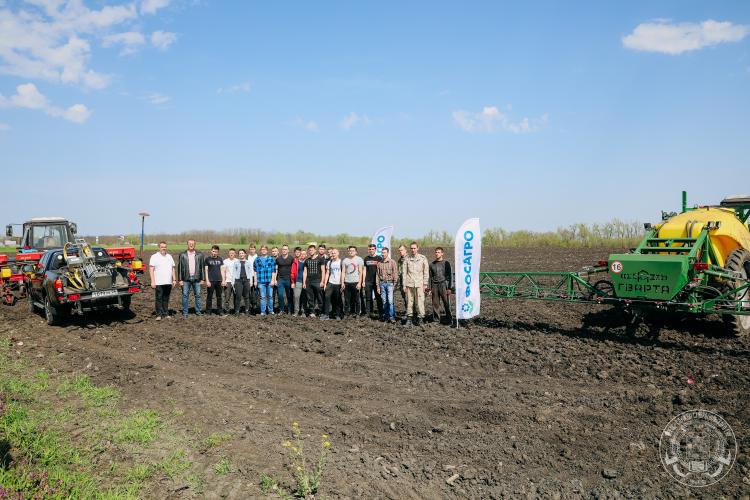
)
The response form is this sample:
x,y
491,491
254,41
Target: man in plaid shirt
x,y
265,275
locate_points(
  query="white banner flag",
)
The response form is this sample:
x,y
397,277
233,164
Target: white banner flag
x,y
382,238
468,257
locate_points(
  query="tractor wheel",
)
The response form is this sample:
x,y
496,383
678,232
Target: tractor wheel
x,y
739,262
51,314
125,301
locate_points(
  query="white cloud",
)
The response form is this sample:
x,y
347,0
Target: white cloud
x,y
663,36
131,41
51,39
151,6
157,99
4,127
233,89
309,125
27,96
163,39
353,119
77,113
491,119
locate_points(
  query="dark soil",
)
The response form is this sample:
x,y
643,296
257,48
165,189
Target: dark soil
x,y
532,399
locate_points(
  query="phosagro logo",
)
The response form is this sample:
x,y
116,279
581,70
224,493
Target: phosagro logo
x,y
468,262
468,306
379,243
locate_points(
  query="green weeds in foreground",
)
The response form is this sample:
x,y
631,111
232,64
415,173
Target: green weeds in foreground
x,y
93,395
55,434
141,427
223,467
214,439
307,474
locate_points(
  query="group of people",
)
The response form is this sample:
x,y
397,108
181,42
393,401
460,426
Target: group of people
x,y
317,282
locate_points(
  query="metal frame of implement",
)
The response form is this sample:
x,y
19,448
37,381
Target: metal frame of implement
x,y
591,285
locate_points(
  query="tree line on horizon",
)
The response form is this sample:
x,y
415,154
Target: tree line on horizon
x,y
616,233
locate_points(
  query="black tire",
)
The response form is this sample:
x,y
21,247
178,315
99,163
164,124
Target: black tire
x,y
125,300
51,314
739,262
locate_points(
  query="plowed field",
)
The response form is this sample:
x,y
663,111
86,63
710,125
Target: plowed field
x,y
532,399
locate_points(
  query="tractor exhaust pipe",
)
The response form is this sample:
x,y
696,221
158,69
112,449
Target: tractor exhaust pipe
x,y
684,202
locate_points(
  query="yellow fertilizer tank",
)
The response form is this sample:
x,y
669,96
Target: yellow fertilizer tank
x,y
731,235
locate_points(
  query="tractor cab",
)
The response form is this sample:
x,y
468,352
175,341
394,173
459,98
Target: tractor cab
x,y
43,233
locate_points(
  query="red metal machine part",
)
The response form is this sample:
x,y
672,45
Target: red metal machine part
x,y
13,279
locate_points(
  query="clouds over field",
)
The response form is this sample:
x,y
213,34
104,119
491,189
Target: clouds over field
x,y
491,119
666,37
52,41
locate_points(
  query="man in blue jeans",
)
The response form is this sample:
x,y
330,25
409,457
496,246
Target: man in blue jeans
x,y
387,279
265,276
284,280
190,272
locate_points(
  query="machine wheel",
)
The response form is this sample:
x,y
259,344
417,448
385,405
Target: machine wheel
x,y
125,301
739,261
51,314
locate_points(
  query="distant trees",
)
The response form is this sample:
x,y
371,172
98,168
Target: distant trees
x,y
616,233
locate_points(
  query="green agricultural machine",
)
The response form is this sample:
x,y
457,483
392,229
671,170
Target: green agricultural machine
x,y
693,262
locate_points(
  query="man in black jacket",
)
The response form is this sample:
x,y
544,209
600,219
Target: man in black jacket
x,y
371,289
441,282
190,272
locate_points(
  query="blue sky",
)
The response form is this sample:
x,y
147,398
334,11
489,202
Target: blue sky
x,y
347,116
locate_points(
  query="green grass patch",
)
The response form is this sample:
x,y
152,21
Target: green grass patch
x,y
196,483
41,461
175,464
223,467
214,439
17,388
92,394
66,438
141,427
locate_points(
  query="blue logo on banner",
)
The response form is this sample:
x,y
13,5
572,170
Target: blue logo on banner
x,y
468,261
379,243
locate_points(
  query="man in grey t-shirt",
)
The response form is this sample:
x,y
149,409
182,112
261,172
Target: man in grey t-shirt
x,y
353,277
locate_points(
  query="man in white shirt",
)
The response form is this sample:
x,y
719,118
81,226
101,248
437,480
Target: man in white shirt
x,y
353,269
163,277
333,287
228,284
